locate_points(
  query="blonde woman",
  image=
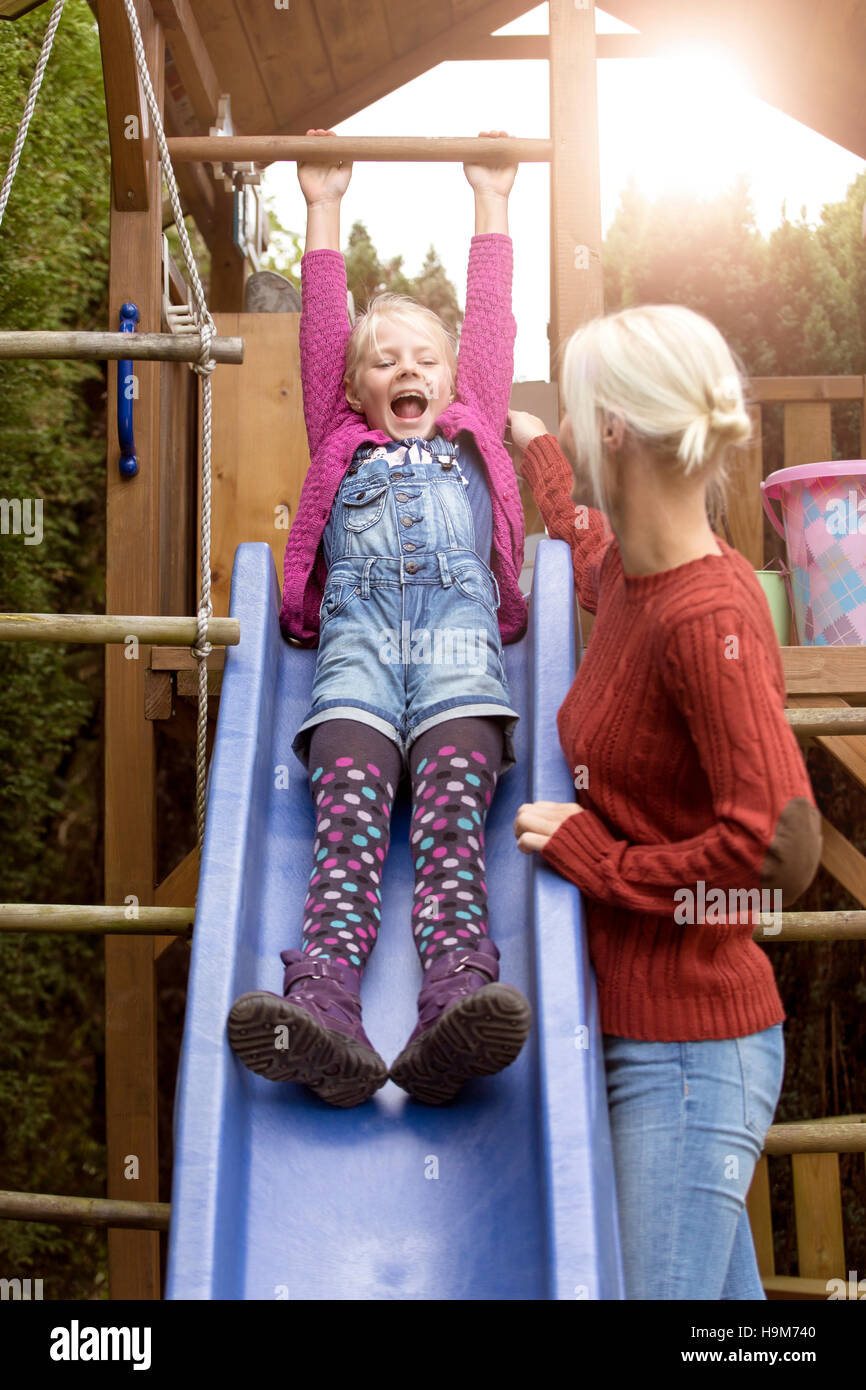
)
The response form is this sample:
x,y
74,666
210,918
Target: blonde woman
x,y
694,805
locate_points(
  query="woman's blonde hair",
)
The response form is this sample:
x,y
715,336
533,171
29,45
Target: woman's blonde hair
x,y
670,375
405,310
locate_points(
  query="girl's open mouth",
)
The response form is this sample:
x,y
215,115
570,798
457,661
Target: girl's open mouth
x,y
409,405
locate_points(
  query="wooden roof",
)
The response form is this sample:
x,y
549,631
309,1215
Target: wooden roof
x,y
317,62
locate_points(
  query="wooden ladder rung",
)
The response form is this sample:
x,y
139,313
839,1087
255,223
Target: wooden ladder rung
x,y
111,627
814,926
846,1136
269,149
104,347
817,722
790,1288
77,917
84,1211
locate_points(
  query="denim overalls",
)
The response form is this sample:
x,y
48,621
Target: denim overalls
x,y
408,635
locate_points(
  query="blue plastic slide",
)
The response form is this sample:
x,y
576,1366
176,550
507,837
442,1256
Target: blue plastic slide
x,y
506,1193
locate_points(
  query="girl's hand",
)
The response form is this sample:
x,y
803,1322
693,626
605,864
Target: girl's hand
x,y
323,183
525,428
536,821
489,179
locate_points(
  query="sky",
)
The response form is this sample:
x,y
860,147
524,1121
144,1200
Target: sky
x,y
688,123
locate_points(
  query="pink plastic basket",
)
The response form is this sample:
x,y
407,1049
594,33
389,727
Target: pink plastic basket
x,y
824,528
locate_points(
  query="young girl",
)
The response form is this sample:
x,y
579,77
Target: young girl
x,y
403,563
690,780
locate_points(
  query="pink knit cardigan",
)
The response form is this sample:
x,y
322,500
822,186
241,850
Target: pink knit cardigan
x,y
334,430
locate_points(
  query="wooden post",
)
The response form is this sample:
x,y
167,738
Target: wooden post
x,y
576,285
229,269
132,585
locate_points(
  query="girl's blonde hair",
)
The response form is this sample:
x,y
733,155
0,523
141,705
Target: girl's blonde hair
x,y
405,310
670,375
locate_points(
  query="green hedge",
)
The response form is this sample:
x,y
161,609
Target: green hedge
x,y
53,275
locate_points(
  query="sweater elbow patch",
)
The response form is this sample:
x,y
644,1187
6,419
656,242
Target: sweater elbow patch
x,y
792,858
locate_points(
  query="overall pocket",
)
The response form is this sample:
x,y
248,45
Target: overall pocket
x,y
337,595
475,581
363,506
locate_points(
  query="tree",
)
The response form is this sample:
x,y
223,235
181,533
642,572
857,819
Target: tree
x,y
368,276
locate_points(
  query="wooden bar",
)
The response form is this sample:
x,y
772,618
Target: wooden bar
x,y
229,268
767,389
68,917
816,1136
787,1289
815,926
111,627
157,694
112,347
807,432
132,545
178,889
182,659
824,670
818,1215
190,55
761,1216
745,513
412,149
576,286
807,722
511,47
844,861
84,1211
126,117
847,750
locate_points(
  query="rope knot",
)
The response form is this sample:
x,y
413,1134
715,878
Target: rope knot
x,y
205,364
202,648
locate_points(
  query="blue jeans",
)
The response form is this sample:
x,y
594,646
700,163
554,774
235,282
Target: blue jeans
x,y
688,1122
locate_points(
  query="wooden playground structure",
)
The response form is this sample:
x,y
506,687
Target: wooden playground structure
x,y
229,109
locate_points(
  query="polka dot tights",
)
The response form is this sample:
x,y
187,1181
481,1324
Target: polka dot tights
x,y
454,768
354,772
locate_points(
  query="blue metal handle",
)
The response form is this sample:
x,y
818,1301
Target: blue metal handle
x,y
125,387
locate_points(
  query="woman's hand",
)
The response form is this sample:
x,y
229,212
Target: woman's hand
x,y
323,183
536,821
525,428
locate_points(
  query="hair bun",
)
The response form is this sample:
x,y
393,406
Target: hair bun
x,y
727,407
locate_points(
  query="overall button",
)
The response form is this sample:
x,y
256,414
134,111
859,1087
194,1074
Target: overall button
x,y
402,497
407,546
396,475
447,465
411,567
353,468
406,520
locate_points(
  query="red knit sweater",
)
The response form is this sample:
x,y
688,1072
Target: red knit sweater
x,y
689,778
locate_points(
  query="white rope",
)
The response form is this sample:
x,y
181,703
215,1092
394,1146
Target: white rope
x,y
204,367
35,84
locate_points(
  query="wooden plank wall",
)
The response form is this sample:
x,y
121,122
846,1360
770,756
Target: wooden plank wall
x,y
260,455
